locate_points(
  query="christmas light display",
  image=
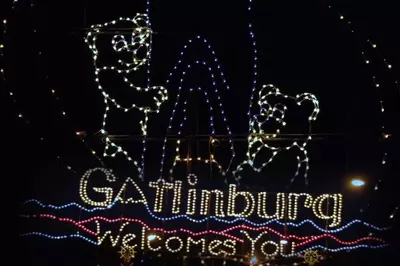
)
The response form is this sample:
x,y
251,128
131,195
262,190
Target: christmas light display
x,y
138,41
252,204
311,257
348,23
60,237
127,253
115,238
216,205
257,140
214,218
20,114
153,238
211,159
385,66
211,70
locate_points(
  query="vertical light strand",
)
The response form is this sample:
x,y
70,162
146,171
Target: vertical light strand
x,y
211,69
211,117
255,61
148,82
2,56
385,136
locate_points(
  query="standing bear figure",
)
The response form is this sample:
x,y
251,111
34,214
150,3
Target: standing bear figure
x,y
128,53
262,149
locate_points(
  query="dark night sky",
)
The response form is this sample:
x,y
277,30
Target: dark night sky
x,y
302,45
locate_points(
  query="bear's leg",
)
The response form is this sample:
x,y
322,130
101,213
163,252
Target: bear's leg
x,y
302,163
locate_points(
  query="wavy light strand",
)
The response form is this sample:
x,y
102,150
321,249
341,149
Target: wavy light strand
x,y
305,239
347,243
341,248
61,237
182,216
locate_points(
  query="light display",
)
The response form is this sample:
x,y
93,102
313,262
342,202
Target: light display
x,y
252,205
197,209
370,55
127,253
138,41
201,238
16,5
263,239
311,257
211,159
205,219
258,138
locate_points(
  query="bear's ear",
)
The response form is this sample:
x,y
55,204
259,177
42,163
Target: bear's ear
x,y
309,97
267,90
141,20
257,104
140,23
90,37
255,100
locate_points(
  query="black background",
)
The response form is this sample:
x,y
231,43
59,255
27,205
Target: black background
x,y
303,46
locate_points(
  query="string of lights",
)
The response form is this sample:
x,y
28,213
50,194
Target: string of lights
x,y
23,118
211,158
255,63
297,259
258,139
383,63
351,247
77,134
144,34
252,34
5,22
20,114
211,70
305,239
215,64
274,112
144,39
141,37
43,142
2,46
355,242
342,248
148,72
236,220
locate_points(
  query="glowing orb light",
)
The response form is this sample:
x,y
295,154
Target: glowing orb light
x,y
357,183
253,260
151,237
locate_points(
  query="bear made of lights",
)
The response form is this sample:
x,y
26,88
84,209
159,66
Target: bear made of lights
x,y
137,49
259,138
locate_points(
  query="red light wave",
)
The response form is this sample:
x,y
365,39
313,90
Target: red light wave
x,y
306,239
